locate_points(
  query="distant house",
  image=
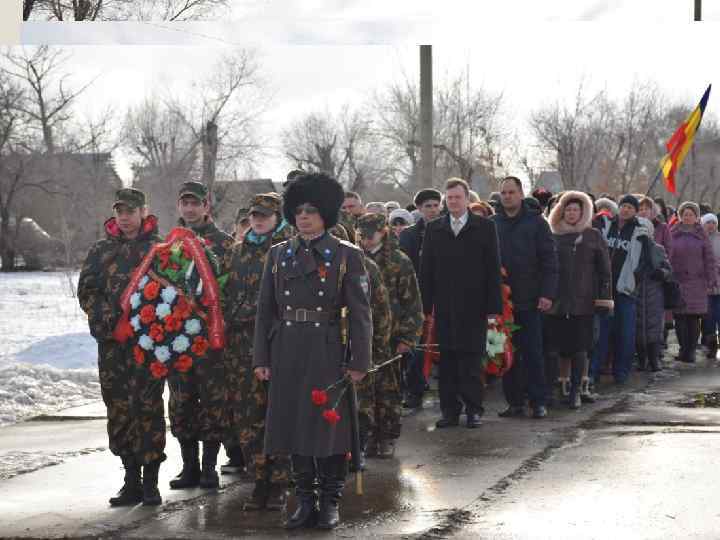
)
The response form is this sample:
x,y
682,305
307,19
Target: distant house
x,y
77,199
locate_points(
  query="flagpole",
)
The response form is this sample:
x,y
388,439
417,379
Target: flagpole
x,y
652,184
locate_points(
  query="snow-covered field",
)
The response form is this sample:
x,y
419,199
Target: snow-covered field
x,y
47,357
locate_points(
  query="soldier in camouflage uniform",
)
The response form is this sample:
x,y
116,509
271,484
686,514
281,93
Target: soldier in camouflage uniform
x,y
381,318
406,327
197,397
247,396
135,408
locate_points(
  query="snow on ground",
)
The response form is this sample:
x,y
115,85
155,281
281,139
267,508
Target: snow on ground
x,y
15,463
47,357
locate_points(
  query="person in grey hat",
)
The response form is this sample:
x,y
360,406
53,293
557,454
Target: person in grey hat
x,y
400,219
711,322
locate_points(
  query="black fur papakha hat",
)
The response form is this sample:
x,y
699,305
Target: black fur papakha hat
x,y
319,189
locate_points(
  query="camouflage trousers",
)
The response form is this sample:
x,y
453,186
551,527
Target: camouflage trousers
x,y
247,407
197,400
380,403
135,408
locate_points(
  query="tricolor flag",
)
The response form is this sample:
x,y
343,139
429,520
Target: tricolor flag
x,y
679,144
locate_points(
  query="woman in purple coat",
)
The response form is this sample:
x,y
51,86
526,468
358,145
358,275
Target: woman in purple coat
x,y
693,264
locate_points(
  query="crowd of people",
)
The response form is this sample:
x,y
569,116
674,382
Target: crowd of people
x,y
318,288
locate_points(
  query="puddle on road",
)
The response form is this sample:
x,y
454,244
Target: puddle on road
x,y
701,401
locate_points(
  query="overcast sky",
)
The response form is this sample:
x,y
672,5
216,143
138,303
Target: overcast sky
x,y
325,53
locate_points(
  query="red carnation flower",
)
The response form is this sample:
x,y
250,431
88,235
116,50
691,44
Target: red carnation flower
x,y
151,290
158,370
147,314
492,368
200,346
182,309
184,363
319,397
331,416
123,331
172,323
139,355
156,333
164,257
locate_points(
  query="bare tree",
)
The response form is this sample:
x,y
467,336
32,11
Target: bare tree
x,y
575,138
106,10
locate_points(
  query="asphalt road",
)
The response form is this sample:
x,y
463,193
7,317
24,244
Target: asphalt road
x,y
633,465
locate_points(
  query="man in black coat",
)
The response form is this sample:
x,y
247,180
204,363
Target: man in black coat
x,y
427,202
530,258
460,280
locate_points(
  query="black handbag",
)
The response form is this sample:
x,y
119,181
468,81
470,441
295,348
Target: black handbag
x,y
672,295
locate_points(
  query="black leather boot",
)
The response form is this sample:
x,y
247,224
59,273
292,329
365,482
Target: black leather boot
x,y
332,472
258,498
151,493
304,475
189,477
131,493
209,477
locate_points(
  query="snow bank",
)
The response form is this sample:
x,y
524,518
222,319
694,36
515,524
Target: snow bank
x,y
27,390
47,357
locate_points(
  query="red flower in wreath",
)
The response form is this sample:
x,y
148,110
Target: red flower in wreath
x,y
151,290
147,314
123,331
492,368
172,323
158,370
184,363
331,416
182,309
139,355
156,333
200,346
319,397
164,256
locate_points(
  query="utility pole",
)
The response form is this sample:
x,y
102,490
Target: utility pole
x,y
698,10
426,118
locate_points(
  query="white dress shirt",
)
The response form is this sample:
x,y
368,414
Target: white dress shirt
x,y
456,224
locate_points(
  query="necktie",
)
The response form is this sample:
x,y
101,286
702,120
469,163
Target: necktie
x,y
456,226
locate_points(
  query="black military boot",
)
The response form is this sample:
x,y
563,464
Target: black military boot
x,y
209,476
304,474
131,493
189,477
258,497
151,493
332,472
236,461
654,356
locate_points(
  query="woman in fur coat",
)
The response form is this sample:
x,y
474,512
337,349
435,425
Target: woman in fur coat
x,y
585,286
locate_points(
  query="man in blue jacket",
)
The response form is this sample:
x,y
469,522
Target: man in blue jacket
x,y
528,254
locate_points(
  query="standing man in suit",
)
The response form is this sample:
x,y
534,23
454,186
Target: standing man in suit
x,y
460,280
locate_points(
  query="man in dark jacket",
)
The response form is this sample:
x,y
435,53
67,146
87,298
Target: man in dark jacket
x,y
135,408
460,282
529,256
411,239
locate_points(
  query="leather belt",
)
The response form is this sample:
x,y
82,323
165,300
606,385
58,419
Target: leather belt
x,y
306,315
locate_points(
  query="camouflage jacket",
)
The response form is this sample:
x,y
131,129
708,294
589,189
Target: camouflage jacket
x,y
219,242
247,261
402,286
106,272
380,308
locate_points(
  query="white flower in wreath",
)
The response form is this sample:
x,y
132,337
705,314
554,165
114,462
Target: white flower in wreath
x,y
143,282
135,323
163,310
162,353
135,300
495,342
146,342
180,344
193,327
169,294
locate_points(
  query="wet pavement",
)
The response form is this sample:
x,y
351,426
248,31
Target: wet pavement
x,y
617,467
